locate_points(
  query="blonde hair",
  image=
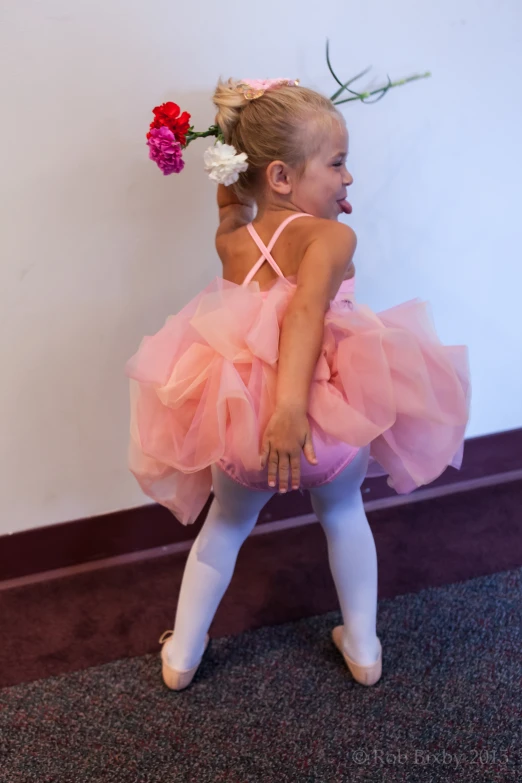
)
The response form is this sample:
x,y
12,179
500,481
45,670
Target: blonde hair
x,y
275,126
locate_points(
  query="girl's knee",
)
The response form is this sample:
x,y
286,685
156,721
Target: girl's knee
x,y
339,512
221,536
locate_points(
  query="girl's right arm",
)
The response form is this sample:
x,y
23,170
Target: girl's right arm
x,y
327,261
233,212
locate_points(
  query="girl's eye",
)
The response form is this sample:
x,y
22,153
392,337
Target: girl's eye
x,y
338,165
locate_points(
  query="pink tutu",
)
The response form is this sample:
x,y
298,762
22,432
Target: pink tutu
x,y
203,389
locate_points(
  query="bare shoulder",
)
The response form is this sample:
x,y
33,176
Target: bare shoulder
x,y
339,238
332,244
326,262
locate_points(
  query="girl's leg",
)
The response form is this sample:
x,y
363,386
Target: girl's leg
x,y
210,565
352,556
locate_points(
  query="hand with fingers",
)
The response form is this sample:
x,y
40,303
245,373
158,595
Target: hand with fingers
x,y
286,436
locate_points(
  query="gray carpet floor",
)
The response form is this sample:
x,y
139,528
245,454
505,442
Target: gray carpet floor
x,y
278,704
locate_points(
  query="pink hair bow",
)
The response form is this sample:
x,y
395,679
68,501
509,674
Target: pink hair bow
x,y
255,88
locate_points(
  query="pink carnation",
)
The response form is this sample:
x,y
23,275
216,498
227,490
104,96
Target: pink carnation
x,y
165,151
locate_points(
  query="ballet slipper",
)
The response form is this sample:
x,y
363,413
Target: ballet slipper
x,y
174,679
365,675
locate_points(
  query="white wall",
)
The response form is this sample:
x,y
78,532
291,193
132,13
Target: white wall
x,y
98,248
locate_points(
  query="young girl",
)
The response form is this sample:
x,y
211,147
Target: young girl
x,y
273,378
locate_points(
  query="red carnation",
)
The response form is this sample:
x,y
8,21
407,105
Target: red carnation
x,y
167,116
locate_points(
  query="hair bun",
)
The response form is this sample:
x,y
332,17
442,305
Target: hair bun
x,y
229,100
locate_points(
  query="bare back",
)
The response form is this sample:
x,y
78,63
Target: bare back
x,y
238,253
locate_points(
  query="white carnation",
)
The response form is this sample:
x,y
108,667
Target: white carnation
x,y
224,164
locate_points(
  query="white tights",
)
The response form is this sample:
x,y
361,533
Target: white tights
x,y
232,516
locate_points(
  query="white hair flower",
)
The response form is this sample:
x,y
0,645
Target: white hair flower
x,y
224,164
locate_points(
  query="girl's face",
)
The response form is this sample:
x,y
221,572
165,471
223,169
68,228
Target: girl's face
x,y
321,189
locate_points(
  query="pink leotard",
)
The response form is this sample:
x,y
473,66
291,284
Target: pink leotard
x,y
332,455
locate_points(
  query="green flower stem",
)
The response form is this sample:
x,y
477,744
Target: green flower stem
x,y
364,95
347,84
212,131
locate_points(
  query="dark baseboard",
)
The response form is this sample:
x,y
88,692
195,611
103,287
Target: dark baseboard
x,y
150,527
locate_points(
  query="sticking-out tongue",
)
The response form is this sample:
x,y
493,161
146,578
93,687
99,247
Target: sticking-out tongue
x,y
345,206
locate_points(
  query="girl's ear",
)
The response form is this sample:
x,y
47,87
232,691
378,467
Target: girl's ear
x,y
279,177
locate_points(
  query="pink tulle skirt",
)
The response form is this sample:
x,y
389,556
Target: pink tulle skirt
x,y
203,390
